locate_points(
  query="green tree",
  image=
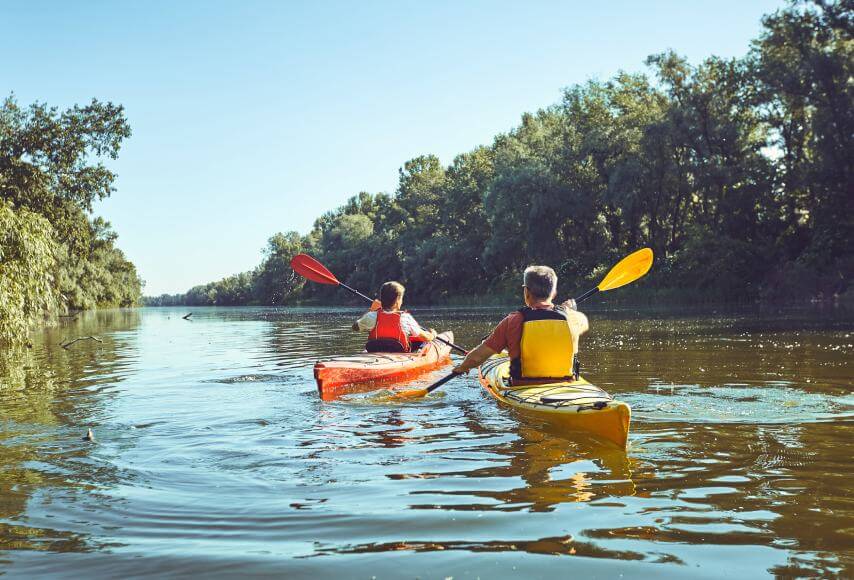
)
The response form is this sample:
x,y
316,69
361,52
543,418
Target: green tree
x,y
51,164
275,282
28,289
46,160
803,64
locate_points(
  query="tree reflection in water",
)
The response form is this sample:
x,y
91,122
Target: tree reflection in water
x,y
48,401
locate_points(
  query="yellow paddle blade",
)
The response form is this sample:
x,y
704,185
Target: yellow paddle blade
x,y
411,394
627,270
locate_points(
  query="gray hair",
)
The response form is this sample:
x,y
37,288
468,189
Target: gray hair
x,y
541,281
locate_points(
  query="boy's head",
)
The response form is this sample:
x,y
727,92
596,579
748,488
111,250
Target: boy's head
x,y
390,293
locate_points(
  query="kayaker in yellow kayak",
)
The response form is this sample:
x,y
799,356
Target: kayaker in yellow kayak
x,y
389,328
541,338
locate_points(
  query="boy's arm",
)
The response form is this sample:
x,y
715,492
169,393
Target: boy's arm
x,y
418,333
367,322
427,334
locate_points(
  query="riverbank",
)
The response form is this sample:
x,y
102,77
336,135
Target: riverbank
x,y
627,297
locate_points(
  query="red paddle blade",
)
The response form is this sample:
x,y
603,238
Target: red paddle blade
x,y
306,266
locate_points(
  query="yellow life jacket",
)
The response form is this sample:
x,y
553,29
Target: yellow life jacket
x,y
547,348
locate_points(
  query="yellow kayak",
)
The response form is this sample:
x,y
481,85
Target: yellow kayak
x,y
571,405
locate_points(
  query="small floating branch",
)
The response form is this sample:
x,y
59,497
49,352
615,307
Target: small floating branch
x,y
187,317
79,338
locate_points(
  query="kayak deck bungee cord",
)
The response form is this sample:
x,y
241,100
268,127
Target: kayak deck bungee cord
x,y
576,406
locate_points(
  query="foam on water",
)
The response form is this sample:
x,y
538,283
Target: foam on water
x,y
737,403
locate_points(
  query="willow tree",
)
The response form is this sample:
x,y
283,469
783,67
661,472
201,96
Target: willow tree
x,y
28,290
52,163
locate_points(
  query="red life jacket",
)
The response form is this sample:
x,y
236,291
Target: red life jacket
x,y
388,327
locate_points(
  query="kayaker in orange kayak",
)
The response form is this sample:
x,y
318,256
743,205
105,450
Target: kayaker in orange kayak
x,y
389,328
541,339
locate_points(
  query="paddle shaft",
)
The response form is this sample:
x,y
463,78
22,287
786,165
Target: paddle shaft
x,y
587,294
439,338
354,291
440,382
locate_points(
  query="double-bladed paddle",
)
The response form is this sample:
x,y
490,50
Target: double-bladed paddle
x,y
627,270
308,267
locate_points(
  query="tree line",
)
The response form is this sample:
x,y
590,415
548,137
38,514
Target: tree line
x,y
736,171
55,257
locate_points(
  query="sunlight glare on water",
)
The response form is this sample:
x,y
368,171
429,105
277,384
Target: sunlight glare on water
x,y
738,403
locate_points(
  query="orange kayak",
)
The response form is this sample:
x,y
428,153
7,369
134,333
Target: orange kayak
x,y
336,375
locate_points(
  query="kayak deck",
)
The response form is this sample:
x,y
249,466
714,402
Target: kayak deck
x,y
572,405
336,374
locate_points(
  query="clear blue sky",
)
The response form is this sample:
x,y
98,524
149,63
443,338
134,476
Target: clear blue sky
x,y
254,117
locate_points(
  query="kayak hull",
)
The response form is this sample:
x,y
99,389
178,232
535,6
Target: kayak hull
x,y
572,406
339,374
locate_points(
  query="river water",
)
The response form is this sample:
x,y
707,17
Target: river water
x,y
215,456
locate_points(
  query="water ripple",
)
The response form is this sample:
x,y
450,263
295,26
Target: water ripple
x,y
215,457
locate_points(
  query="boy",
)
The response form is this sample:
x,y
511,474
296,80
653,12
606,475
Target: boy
x,y
391,330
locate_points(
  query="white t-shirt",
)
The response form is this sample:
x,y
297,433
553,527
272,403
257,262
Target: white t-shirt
x,y
369,320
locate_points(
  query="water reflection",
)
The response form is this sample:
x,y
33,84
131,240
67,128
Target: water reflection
x,y
552,546
215,454
48,396
551,468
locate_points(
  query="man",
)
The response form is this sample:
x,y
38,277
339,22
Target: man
x,y
541,338
390,329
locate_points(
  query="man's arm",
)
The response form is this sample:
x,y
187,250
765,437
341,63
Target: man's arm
x,y
578,322
495,342
474,358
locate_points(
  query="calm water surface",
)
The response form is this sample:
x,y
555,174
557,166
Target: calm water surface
x,y
215,456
